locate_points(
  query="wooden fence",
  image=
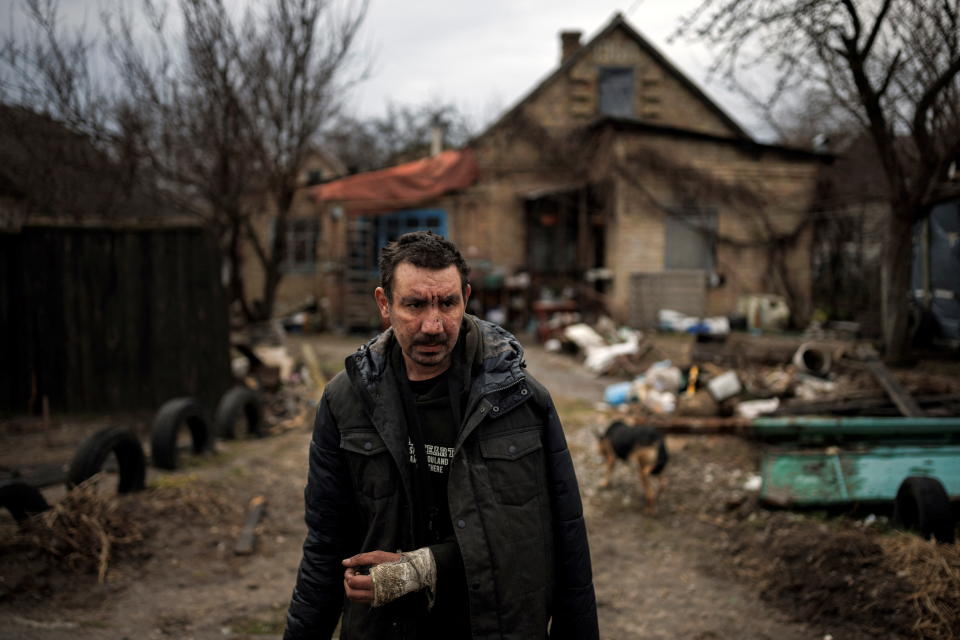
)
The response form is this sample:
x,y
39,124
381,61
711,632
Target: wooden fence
x,y
110,318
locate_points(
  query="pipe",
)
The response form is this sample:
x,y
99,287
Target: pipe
x,y
797,426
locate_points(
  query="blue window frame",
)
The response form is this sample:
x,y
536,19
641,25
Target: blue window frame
x,y
390,226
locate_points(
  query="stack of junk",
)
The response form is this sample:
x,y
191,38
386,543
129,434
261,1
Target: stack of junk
x,y
847,431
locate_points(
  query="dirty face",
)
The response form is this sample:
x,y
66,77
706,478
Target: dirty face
x,y
425,313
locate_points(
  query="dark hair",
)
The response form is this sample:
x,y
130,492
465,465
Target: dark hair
x,y
423,249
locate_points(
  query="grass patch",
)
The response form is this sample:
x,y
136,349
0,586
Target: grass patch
x,y
271,623
574,412
174,481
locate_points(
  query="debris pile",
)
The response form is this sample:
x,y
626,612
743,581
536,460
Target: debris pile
x,y
288,374
745,375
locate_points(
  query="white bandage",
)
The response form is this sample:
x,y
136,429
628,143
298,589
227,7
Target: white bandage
x,y
415,570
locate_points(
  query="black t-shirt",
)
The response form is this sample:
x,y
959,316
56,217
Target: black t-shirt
x,y
439,429
435,414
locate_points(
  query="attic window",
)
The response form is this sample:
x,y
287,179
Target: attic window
x,y
616,91
314,176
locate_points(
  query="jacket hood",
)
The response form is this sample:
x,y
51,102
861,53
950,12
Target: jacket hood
x,y
494,356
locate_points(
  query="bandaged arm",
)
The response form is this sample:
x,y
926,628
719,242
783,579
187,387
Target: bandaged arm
x,y
415,570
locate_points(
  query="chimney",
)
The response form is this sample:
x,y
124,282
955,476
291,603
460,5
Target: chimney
x,y
569,44
436,139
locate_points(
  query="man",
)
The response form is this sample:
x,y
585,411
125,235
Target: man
x,y
441,500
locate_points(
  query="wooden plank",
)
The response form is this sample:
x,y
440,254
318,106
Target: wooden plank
x,y
699,426
904,401
248,535
873,405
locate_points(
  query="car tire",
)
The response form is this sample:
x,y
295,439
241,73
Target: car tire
x,y
922,504
92,453
166,426
234,403
22,500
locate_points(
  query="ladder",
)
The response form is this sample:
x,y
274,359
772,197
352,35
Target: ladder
x,y
361,276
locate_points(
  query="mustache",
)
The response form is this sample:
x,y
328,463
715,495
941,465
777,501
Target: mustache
x,y
429,341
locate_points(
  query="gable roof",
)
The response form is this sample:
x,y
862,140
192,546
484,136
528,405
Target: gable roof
x,y
618,21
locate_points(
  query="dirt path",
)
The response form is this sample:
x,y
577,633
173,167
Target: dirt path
x,y
656,577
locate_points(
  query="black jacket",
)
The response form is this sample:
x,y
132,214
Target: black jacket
x,y
513,497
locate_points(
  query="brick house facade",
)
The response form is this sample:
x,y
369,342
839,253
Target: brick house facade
x,y
619,185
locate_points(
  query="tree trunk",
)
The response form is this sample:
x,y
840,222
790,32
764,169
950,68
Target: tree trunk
x,y
272,271
271,282
897,261
235,263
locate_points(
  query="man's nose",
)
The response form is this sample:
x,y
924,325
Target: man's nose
x,y
433,323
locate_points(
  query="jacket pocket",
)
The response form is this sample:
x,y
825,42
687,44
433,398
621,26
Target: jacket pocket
x,y
514,461
370,463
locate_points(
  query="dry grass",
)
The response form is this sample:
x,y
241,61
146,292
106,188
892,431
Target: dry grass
x,y
84,531
934,571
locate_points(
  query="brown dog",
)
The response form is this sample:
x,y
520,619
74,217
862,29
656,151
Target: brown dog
x,y
640,445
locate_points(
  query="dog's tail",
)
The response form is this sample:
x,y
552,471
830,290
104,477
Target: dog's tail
x,y
662,457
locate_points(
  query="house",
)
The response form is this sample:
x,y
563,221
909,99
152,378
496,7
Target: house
x,y
49,169
617,185
302,263
366,211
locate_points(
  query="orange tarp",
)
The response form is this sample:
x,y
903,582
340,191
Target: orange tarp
x,y
403,186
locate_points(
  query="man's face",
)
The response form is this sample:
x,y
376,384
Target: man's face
x,y
425,312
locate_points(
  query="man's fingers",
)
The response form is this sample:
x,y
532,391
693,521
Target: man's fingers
x,y
358,581
357,596
359,588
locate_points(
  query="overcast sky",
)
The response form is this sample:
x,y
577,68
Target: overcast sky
x,y
485,55
482,56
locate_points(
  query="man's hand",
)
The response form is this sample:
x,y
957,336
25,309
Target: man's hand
x,y
359,587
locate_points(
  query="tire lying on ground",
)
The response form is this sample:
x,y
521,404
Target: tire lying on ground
x,y
234,403
22,500
93,452
922,504
166,425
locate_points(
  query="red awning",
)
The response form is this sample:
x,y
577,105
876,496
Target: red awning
x,y
403,186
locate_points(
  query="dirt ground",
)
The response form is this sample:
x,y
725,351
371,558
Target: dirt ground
x,y
709,564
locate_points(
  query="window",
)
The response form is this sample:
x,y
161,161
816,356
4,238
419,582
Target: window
x,y
691,238
300,245
390,226
616,91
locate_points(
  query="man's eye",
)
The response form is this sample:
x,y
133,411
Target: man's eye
x,y
414,305
448,304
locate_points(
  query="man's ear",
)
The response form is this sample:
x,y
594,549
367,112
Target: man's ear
x,y
466,295
383,303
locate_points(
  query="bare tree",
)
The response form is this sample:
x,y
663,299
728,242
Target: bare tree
x,y
401,134
220,112
892,65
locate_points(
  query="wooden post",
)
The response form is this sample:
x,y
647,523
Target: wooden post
x,y
245,541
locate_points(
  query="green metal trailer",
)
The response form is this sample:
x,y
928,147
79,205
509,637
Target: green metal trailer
x,y
870,474
913,463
